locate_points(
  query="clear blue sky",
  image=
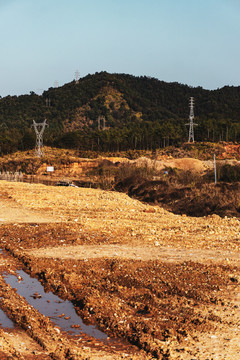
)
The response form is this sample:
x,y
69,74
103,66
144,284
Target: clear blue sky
x,y
194,42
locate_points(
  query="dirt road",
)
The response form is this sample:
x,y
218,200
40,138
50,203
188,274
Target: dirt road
x,y
133,268
143,253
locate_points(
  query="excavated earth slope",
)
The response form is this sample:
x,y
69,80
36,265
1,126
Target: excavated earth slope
x,y
166,286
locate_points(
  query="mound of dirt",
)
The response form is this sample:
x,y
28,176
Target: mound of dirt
x,y
187,164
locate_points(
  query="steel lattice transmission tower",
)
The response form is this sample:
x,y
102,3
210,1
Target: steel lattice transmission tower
x,y
191,124
39,130
77,76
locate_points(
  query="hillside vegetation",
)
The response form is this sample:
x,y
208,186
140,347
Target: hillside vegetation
x,y
141,113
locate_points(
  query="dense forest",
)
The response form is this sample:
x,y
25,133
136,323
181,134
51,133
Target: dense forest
x,y
114,112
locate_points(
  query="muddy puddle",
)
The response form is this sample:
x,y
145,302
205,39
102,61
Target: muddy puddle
x,y
5,322
61,312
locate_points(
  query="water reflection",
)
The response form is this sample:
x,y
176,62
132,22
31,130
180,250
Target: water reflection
x,y
61,312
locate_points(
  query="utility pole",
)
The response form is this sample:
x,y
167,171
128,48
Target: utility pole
x,y
39,130
215,168
191,124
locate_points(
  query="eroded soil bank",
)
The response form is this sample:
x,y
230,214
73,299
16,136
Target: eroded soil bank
x,y
181,303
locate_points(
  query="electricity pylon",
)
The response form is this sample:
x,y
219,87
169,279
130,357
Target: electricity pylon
x,y
191,124
39,130
77,76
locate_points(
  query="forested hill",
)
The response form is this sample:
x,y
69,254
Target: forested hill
x,y
139,112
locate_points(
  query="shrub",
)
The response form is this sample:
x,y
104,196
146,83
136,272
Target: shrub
x,y
228,173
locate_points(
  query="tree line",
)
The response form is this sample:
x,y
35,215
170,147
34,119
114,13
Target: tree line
x,y
140,113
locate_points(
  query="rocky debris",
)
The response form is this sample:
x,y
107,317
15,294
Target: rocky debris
x,y
109,215
153,305
161,307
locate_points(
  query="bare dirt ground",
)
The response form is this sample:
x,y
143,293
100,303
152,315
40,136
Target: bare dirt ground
x,y
168,284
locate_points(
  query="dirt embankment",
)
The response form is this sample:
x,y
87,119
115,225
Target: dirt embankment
x,y
193,200
167,284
